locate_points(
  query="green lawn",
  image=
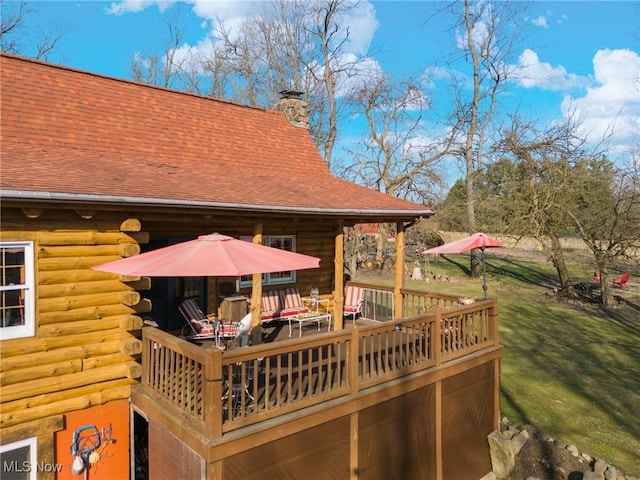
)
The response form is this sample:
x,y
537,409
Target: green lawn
x,y
570,369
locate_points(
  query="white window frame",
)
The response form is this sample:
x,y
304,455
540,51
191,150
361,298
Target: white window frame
x,y
267,278
28,329
31,465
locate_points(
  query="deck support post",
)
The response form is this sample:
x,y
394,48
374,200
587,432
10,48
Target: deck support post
x,y
398,284
353,447
438,429
338,293
256,294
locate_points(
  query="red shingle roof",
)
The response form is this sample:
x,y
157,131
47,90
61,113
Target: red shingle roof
x,y
67,134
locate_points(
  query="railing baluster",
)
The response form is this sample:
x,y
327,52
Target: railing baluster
x,y
272,379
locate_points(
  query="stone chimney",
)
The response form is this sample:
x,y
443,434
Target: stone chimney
x,y
294,107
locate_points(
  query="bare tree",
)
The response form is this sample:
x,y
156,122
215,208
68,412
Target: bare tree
x,y
606,212
288,45
164,67
394,158
486,40
21,33
537,202
561,185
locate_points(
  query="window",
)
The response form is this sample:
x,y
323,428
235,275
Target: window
x,y
283,242
16,290
19,460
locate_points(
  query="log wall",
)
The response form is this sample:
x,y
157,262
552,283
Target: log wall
x,y
86,348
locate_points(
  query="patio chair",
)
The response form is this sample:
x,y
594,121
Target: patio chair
x,y
281,304
201,326
236,396
353,301
624,278
292,302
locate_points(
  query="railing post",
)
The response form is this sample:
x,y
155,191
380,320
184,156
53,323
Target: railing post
x,y
493,320
436,338
338,293
212,393
398,283
145,358
354,360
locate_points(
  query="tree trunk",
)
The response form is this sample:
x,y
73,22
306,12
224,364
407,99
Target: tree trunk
x,y
557,258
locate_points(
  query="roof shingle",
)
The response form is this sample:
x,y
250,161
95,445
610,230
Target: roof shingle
x,y
116,140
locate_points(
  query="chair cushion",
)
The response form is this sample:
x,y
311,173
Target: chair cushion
x,y
282,314
290,298
353,296
229,330
270,301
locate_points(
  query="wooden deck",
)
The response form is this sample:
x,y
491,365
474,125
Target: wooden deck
x,y
401,395
223,391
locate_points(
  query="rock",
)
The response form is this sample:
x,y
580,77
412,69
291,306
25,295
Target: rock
x,y
599,466
489,476
592,476
561,471
611,473
573,449
518,441
502,457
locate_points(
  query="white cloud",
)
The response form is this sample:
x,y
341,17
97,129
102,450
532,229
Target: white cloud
x,y
133,6
530,72
540,21
362,71
362,24
612,104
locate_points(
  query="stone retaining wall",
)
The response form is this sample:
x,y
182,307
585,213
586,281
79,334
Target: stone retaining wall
x,y
522,453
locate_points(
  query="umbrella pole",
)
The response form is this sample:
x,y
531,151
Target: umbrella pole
x,y
216,325
484,276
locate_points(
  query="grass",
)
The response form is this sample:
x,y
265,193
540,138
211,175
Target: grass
x,y
569,368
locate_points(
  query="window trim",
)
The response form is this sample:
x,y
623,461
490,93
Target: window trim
x,y
28,329
266,277
32,443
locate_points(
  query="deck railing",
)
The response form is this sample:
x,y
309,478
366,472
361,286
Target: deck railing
x,y
228,390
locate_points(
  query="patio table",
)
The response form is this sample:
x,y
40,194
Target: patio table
x,y
316,302
310,317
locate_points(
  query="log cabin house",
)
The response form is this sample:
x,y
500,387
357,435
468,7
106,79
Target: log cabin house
x,y
95,169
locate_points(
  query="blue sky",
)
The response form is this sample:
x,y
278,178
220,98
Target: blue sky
x,y
580,56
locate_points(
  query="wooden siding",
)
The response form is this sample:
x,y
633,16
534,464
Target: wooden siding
x,y
85,349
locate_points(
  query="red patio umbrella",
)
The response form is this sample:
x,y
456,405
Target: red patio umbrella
x,y
477,240
213,255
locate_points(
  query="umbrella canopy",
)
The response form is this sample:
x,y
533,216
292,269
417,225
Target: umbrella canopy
x,y
212,255
477,240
